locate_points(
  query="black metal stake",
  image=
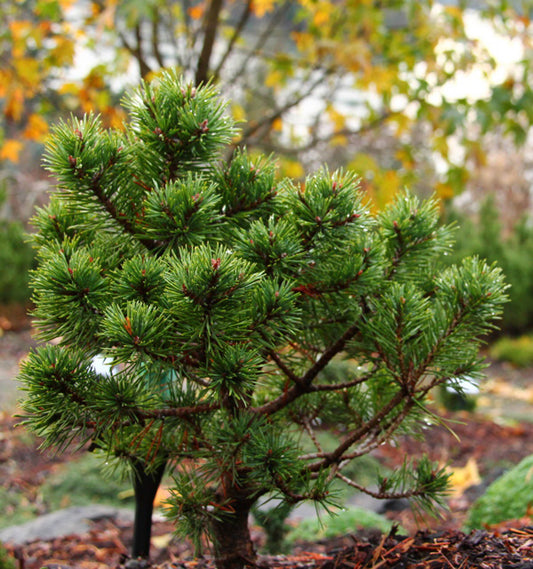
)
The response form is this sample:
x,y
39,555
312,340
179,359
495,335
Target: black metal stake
x,y
145,485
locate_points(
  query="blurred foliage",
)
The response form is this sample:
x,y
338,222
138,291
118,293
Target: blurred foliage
x,y
16,258
384,90
507,498
513,251
348,520
517,351
15,507
79,483
6,561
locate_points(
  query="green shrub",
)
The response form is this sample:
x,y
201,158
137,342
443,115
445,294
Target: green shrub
x,y
16,259
513,253
518,351
80,483
346,521
507,498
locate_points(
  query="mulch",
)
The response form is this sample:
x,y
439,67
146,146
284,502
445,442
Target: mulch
x,y
106,546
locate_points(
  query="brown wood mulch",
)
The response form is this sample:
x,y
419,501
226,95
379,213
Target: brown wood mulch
x,y
105,547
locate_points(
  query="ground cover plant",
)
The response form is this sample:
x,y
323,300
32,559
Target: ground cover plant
x,y
507,498
223,298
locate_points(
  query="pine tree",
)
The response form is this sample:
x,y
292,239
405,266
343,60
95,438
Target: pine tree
x,y
241,315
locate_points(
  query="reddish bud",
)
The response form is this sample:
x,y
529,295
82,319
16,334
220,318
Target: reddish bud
x,y
78,133
215,263
72,161
70,271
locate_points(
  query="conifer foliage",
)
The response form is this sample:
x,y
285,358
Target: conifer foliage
x,y
241,314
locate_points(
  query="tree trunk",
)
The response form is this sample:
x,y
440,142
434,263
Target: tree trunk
x,y
145,485
231,535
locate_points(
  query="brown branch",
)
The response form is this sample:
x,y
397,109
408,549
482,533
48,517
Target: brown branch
x,y
337,455
245,16
180,412
136,51
380,495
263,38
156,20
211,28
284,368
109,206
270,119
339,386
303,384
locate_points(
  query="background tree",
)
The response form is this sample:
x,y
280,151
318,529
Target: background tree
x,y
390,88
223,298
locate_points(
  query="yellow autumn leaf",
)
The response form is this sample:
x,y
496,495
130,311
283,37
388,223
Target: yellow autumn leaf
x,y
277,125
162,541
262,7
196,12
322,15
63,52
14,104
68,89
115,118
28,70
274,79
6,78
36,129
66,4
162,495
11,150
238,112
19,28
462,477
292,169
444,191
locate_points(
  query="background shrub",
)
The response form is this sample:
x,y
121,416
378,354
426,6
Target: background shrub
x,y
16,259
513,252
517,351
507,498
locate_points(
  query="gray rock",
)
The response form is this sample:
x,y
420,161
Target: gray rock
x,y
73,520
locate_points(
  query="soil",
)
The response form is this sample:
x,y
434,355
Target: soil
x,y
427,542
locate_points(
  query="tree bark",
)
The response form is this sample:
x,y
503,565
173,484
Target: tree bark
x,y
231,536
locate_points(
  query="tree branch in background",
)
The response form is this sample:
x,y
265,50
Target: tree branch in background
x,y
211,24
